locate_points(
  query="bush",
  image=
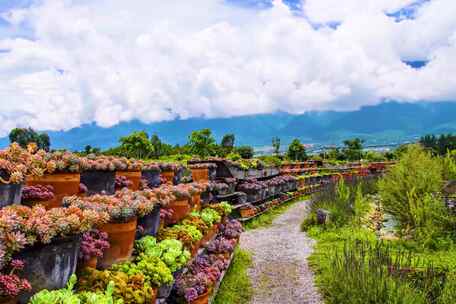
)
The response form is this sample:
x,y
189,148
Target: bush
x,y
407,190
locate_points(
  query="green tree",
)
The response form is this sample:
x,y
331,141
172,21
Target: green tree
x,y
226,145
245,152
91,150
276,145
403,189
202,143
296,151
24,136
158,147
136,145
353,149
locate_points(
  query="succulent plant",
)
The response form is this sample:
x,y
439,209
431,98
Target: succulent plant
x,y
122,182
12,285
93,244
37,193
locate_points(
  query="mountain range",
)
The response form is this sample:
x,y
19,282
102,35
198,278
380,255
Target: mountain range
x,y
385,123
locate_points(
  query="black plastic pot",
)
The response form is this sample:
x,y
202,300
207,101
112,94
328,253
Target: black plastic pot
x,y
152,177
49,266
99,182
10,194
149,223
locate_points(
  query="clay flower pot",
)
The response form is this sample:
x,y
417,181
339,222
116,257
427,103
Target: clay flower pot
x,y
121,240
92,263
133,176
202,299
169,176
200,174
64,184
196,201
180,210
8,301
209,235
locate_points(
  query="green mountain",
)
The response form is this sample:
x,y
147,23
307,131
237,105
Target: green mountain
x,y
384,123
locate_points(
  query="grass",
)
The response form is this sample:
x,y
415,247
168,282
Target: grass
x,y
330,243
236,287
266,219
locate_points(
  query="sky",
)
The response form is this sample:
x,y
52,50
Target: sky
x,y
64,63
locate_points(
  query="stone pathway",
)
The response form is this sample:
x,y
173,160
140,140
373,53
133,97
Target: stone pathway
x,y
280,272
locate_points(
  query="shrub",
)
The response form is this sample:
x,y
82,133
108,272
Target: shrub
x,y
407,185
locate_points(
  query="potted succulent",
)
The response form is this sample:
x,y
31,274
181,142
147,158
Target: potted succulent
x,y
222,245
58,169
201,171
122,181
98,173
12,285
129,169
151,173
123,208
132,286
232,229
39,194
189,235
14,163
46,240
93,245
168,170
180,206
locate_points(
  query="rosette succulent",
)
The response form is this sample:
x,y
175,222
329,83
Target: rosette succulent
x,y
38,193
93,244
12,285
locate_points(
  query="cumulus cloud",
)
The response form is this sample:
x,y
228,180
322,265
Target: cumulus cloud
x,y
108,61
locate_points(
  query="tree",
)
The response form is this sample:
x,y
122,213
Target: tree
x,y
353,149
226,145
158,148
228,141
202,143
276,145
245,152
24,136
91,150
439,145
136,145
296,151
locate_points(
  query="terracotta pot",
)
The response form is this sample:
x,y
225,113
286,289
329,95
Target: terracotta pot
x,y
64,184
247,212
133,176
200,175
202,299
154,296
169,176
195,248
180,210
196,201
121,240
92,263
209,235
8,301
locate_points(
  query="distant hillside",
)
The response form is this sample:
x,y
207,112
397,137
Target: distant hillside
x,y
384,123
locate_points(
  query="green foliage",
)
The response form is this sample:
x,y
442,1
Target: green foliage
x,y
374,156
136,145
406,186
245,152
25,136
226,145
296,151
233,156
439,145
61,296
353,149
449,166
202,143
154,270
236,287
171,252
210,216
128,288
67,295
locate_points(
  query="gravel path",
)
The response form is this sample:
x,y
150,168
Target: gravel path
x,y
280,272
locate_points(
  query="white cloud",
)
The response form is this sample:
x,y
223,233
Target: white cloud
x,y
110,60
